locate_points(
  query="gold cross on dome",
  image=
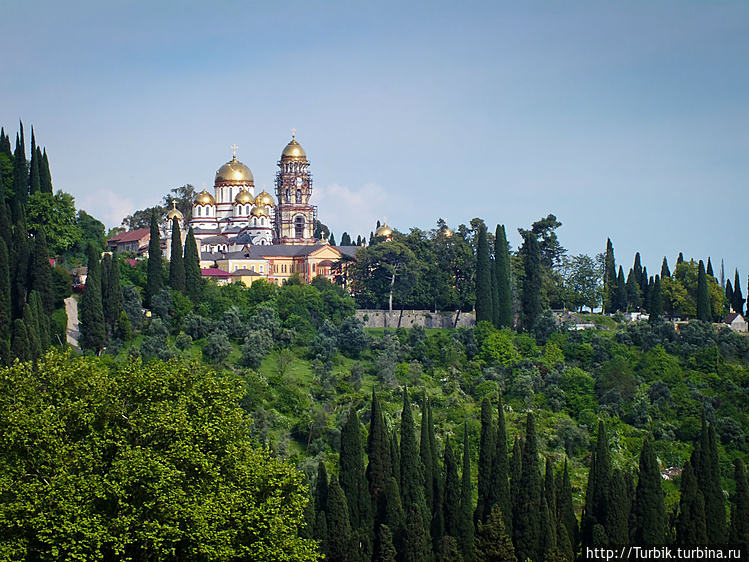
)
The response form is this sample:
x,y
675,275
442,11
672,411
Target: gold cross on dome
x,y
234,150
293,133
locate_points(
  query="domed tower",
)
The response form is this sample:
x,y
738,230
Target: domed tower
x,y
294,216
231,178
204,212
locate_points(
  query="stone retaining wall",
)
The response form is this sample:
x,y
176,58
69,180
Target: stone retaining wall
x,y
411,318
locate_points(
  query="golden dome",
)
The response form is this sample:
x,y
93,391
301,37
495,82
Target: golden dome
x,y
204,198
258,211
445,231
234,171
243,197
385,231
293,150
174,212
264,198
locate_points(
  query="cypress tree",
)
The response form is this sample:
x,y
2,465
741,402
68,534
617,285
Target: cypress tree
x,y
42,320
92,326
738,299
452,492
548,538
690,522
621,291
155,281
709,268
46,176
20,175
495,293
502,266
32,327
493,542
484,311
20,257
516,471
395,456
729,294
465,516
531,295
321,531
740,511
656,300
526,524
6,232
20,348
339,528
599,486
193,276
34,174
707,470
438,521
703,297
113,299
649,507
634,293
609,278
425,453
487,452
637,270
679,259
617,516
550,492
394,518
500,484
379,469
176,261
5,311
416,532
41,272
354,485
645,284
565,507
665,271
387,546
322,488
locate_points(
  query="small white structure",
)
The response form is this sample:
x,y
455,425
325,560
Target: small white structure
x,y
736,322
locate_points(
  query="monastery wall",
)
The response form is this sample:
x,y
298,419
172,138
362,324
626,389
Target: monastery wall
x,y
411,318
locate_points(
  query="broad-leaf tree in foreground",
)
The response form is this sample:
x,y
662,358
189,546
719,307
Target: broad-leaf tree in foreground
x,y
138,463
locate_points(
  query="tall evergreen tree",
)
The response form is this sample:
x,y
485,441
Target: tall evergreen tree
x,y
729,293
649,507
46,176
193,276
656,300
500,484
41,272
618,514
487,453
526,524
565,507
42,320
451,504
394,517
738,299
599,486
665,271
495,293
621,291
155,279
176,261
690,522
438,521
387,551
483,278
425,453
609,279
679,259
740,512
34,174
416,532
354,485
465,516
502,267
339,527
6,232
322,488
637,270
20,175
531,305
379,469
92,326
707,470
516,473
20,348
5,310
493,542
645,286
703,296
634,293
112,299
19,260
395,456
709,268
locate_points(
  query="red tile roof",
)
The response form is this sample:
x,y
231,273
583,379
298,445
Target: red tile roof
x,y
130,236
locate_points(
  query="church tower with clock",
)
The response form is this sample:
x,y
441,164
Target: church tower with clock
x,y
294,216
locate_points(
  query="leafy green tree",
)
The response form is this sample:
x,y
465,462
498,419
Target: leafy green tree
x,y
92,325
531,304
92,233
56,213
465,528
484,310
502,273
176,261
583,282
384,274
155,262
649,508
165,468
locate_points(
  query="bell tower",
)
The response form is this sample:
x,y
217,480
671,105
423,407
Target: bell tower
x,y
294,216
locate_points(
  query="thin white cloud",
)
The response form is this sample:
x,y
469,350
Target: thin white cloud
x,y
355,211
108,207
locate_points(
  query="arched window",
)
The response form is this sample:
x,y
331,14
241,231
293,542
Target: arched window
x,y
198,209
298,195
299,227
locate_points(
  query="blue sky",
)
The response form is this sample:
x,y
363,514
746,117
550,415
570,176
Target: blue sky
x,y
627,120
